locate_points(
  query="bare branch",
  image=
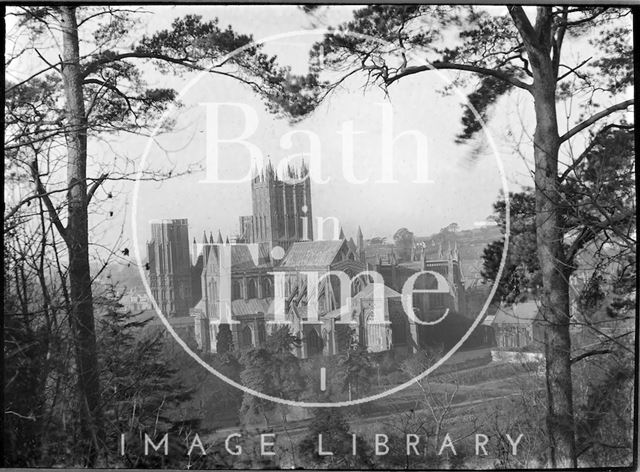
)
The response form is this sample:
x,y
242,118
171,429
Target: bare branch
x,y
53,66
572,70
114,89
465,67
558,39
30,417
587,19
588,149
95,186
585,124
26,200
589,354
95,65
586,234
42,192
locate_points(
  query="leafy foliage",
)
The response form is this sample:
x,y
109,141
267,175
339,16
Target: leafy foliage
x,y
116,94
597,208
273,370
599,187
520,277
616,64
404,240
204,45
477,109
358,371
386,43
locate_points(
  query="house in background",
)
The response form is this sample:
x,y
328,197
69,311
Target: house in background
x,y
517,326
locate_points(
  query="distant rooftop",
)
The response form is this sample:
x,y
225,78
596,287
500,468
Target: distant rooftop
x,y
312,253
518,314
369,292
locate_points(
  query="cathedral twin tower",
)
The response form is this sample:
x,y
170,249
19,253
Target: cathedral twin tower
x,y
281,208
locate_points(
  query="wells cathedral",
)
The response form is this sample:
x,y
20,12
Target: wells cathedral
x,y
276,243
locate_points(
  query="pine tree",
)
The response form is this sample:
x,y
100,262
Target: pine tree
x,y
273,370
357,371
141,390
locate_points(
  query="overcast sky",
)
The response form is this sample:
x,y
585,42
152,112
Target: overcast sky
x,y
465,182
466,179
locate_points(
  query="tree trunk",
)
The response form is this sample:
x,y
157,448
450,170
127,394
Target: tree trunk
x,y
555,292
77,239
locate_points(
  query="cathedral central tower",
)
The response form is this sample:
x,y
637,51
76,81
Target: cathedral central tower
x,y
282,211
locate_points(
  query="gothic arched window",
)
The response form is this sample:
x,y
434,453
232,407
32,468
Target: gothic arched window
x,y
247,337
336,288
267,288
252,289
356,286
236,290
314,343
